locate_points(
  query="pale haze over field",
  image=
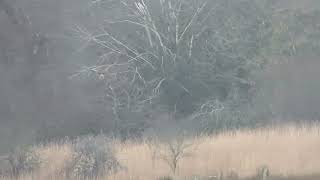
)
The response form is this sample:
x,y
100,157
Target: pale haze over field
x,y
180,81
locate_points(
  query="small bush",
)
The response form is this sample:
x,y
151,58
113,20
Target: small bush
x,y
24,160
174,151
263,172
93,157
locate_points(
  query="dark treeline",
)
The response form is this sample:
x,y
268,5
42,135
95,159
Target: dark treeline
x,y
69,68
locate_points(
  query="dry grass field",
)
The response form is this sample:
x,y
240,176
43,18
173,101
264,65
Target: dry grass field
x,y
289,151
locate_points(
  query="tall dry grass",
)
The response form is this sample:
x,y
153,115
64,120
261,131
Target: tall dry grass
x,y
288,151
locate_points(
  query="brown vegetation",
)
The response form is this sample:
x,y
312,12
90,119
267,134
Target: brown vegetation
x,y
289,151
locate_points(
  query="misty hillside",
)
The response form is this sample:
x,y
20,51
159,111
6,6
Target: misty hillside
x,y
128,68
159,89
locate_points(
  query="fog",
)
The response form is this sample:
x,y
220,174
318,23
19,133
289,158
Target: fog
x,y
48,90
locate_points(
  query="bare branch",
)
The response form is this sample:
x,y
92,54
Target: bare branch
x,y
191,21
131,50
159,36
190,46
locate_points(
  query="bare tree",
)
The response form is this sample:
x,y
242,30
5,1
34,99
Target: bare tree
x,y
175,150
175,54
